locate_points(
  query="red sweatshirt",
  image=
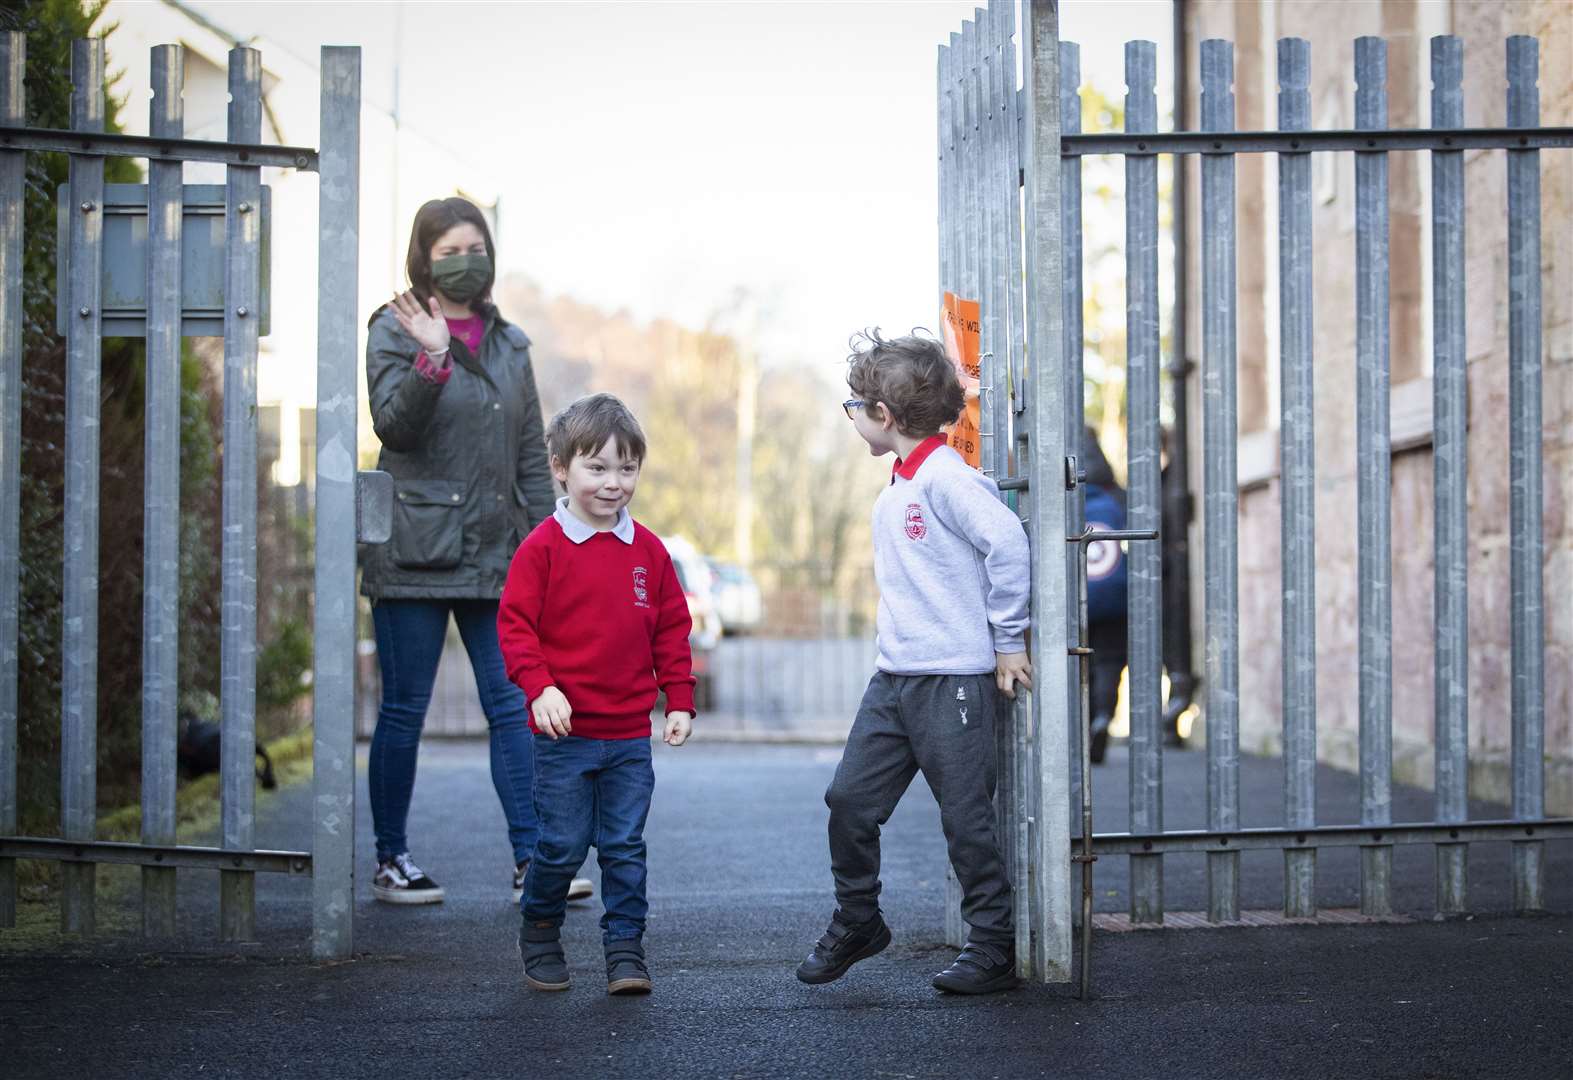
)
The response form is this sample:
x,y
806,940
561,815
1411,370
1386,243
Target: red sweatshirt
x,y
602,619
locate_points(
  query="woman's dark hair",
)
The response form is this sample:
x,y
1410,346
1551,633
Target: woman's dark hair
x,y
431,221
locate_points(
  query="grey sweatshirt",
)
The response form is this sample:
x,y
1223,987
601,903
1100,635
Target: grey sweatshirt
x,y
952,565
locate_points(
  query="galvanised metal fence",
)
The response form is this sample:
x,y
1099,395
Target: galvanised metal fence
x,y
329,857
1001,242
1004,152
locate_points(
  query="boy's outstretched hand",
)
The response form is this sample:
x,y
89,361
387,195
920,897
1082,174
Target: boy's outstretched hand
x,y
1011,668
552,713
679,725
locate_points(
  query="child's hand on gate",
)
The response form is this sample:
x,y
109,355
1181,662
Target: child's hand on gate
x,y
552,713
679,725
1011,668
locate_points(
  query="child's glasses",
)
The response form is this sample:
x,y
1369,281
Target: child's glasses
x,y
852,404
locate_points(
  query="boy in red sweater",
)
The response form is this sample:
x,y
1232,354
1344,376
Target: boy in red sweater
x,y
593,622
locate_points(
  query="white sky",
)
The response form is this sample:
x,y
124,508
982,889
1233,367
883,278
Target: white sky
x,y
657,156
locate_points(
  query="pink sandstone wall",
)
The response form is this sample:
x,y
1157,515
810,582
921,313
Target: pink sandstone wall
x,y
1331,28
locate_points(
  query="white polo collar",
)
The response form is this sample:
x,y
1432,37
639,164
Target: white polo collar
x,y
579,532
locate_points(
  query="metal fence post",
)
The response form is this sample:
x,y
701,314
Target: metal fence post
x,y
969,158
333,686
161,499
1145,561
1000,192
1075,376
1524,347
1015,148
1008,385
955,65
79,664
1450,388
1076,629
1374,457
951,259
947,166
13,166
990,318
1221,499
243,197
1045,467
1298,475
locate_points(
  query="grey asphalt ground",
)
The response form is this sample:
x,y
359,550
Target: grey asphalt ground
x,y
740,887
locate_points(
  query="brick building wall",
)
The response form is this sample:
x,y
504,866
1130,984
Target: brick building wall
x,y
1331,27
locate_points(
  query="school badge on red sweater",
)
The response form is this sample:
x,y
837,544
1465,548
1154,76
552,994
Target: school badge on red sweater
x,y
641,593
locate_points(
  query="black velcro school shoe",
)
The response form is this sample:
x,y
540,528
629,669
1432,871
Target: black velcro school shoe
x,y
982,968
541,952
841,947
626,972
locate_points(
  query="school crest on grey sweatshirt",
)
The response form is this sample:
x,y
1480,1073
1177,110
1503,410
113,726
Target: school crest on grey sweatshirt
x,y
952,565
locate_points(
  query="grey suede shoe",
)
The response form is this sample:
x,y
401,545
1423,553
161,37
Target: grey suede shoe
x,y
625,968
541,952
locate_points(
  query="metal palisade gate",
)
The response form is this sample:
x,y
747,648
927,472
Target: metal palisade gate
x,y
328,859
1010,237
1371,141
1000,229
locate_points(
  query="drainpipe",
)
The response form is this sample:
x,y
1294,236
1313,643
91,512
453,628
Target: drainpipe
x,y
1178,504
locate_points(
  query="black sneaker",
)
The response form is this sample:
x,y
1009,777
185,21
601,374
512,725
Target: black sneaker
x,y
625,968
541,953
841,947
578,889
982,968
400,881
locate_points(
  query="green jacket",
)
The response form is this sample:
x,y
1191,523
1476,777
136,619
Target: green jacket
x,y
468,460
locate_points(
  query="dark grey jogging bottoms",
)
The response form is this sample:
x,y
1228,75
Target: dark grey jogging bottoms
x,y
942,725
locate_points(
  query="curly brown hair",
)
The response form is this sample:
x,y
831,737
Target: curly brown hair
x,y
912,376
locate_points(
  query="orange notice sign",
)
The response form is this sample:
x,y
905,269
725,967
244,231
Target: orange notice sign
x,y
961,342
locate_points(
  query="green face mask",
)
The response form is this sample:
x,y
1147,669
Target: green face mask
x,y
461,277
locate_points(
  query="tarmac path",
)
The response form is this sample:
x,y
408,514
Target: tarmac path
x,y
739,888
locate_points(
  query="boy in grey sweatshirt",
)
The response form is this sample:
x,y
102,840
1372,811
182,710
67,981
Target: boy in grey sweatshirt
x,y
952,566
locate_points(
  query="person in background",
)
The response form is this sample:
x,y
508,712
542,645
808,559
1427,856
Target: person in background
x,y
453,401
1177,661
1106,590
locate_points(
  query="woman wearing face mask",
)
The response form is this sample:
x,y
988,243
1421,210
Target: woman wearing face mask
x,y
453,400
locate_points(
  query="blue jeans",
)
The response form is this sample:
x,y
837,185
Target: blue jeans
x,y
410,635
591,791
